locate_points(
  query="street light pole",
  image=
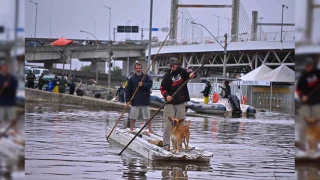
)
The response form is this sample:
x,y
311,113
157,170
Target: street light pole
x,y
260,27
228,24
127,25
224,47
142,30
109,20
96,60
283,6
35,23
94,28
218,23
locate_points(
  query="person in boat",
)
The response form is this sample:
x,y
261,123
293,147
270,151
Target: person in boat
x,y
8,90
308,87
206,92
175,107
120,93
141,101
227,89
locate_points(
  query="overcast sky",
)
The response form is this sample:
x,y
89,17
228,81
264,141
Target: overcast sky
x,y
69,17
7,16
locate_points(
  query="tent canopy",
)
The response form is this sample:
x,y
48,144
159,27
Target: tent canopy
x,y
61,42
256,74
280,74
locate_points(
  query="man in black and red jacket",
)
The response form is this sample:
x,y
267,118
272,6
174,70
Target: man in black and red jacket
x,y
308,91
309,80
175,107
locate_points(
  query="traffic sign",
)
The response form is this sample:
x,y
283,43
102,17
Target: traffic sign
x,y
128,29
155,29
20,29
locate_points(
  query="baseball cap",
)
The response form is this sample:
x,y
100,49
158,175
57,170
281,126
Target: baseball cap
x,y
309,61
174,60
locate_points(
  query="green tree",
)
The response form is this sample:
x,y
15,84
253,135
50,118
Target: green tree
x,y
116,73
86,68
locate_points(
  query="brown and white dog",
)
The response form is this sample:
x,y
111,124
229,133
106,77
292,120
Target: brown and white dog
x,y
179,133
312,133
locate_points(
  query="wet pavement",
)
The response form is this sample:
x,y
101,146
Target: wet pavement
x,y
69,142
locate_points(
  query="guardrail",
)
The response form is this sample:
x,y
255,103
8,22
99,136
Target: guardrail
x,y
287,36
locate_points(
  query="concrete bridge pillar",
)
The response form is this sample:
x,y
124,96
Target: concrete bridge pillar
x,y
100,65
254,28
49,66
235,20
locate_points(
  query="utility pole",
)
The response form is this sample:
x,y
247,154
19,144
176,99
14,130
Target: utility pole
x,y
225,54
109,65
224,47
150,34
109,21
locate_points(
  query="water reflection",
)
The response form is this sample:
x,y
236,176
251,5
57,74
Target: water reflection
x,y
69,142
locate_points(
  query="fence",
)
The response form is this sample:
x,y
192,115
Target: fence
x,y
287,36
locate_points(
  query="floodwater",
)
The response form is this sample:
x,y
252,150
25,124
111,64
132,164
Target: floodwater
x,y
12,170
69,142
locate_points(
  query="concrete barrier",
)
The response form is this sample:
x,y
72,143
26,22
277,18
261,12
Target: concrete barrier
x,y
34,95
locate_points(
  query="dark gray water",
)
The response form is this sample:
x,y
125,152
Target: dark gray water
x,y
69,142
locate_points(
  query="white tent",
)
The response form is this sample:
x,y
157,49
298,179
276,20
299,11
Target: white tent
x,y
256,74
280,74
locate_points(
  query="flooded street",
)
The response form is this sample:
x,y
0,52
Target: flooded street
x,y
69,142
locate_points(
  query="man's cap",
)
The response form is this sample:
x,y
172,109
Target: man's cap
x,y
2,63
174,60
309,61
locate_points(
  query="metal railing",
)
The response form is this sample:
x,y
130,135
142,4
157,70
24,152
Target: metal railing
x,y
287,36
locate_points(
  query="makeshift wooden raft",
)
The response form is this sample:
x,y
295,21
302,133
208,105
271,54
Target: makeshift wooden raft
x,y
145,145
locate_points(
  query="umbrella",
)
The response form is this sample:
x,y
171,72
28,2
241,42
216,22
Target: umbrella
x,y
61,42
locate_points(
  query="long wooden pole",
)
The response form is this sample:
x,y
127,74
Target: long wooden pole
x,y
141,80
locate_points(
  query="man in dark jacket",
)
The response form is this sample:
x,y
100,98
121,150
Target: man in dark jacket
x,y
8,90
141,100
72,85
120,93
41,81
175,108
30,79
62,85
206,92
227,89
309,80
